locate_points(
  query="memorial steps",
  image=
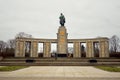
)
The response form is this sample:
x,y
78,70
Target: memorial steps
x,y
59,61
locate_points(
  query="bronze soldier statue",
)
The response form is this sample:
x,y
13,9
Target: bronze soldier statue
x,y
62,19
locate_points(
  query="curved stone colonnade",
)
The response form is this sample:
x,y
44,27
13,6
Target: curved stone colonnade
x,y
103,43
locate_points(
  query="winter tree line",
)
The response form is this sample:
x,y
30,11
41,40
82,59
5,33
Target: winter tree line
x,y
8,48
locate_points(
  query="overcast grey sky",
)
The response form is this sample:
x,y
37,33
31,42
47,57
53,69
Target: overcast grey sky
x,y
84,18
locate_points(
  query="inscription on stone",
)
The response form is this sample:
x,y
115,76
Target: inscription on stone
x,y
61,32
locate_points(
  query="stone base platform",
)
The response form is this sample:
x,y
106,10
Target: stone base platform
x,y
60,61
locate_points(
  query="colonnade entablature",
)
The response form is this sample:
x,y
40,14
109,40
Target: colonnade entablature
x,y
68,40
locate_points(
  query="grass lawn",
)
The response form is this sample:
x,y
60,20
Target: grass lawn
x,y
109,68
11,68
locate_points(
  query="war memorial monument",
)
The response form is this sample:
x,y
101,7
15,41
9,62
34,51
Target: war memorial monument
x,y
30,56
62,44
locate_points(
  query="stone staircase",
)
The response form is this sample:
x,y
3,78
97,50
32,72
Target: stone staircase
x,y
59,61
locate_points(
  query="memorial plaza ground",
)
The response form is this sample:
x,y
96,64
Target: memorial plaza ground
x,y
60,73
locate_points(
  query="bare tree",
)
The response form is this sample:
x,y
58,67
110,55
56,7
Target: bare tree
x,y
2,46
114,44
23,35
11,43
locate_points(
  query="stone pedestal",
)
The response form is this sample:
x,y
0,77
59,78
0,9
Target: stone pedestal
x,y
62,40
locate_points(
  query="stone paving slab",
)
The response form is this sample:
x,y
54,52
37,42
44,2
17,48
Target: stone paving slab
x,y
60,72
55,78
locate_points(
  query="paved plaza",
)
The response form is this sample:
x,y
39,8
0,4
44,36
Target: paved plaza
x,y
59,73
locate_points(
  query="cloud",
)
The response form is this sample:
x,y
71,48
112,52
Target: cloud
x,y
84,18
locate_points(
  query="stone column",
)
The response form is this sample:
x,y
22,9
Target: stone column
x,y
90,51
17,48
46,50
34,49
104,49
20,49
76,49
80,52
